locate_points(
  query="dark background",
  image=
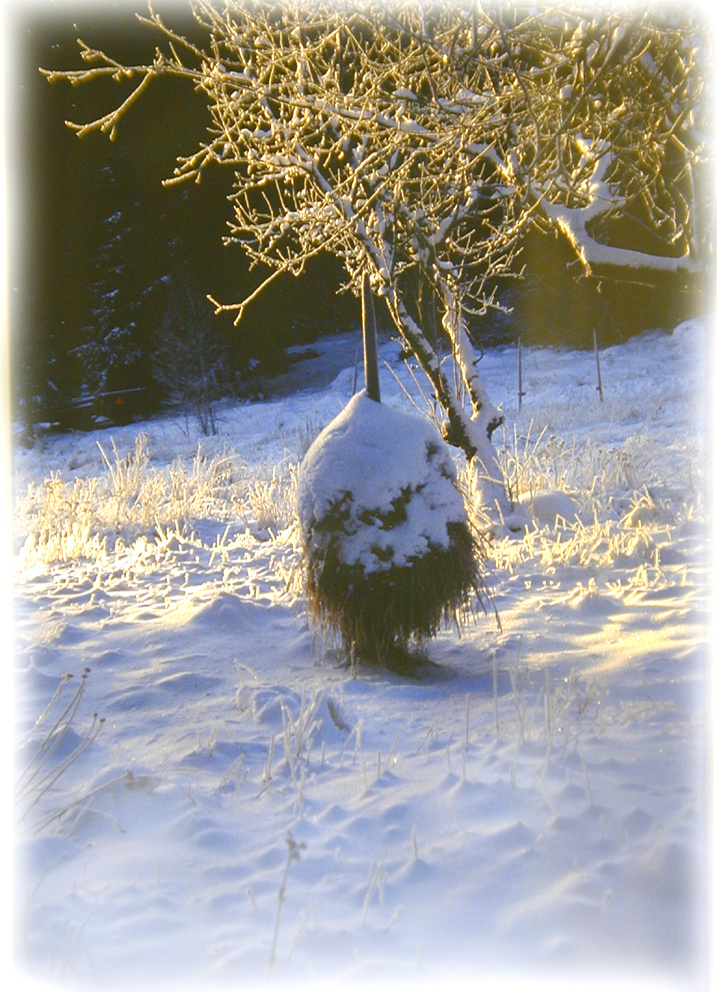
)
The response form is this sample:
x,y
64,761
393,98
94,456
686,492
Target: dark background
x,y
99,243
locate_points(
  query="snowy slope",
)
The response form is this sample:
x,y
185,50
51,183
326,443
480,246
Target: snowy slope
x,y
224,802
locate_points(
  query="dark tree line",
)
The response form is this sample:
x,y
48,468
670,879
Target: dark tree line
x,y
104,254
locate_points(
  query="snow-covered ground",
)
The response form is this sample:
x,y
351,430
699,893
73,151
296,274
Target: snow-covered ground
x,y
214,799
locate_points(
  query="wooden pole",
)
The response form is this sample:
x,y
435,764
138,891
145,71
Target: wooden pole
x,y
370,346
597,361
356,366
521,394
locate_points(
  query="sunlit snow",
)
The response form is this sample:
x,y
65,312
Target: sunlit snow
x,y
214,799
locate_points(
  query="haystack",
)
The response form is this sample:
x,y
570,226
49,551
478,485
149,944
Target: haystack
x,y
389,553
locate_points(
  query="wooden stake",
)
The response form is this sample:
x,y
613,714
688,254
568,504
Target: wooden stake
x,y
597,361
370,346
521,394
356,366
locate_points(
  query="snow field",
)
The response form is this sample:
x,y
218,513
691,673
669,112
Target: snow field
x,y
220,801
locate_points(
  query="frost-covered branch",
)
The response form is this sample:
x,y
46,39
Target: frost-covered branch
x,y
420,142
599,200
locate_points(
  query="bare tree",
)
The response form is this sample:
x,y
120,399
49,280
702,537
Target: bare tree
x,y
189,362
419,141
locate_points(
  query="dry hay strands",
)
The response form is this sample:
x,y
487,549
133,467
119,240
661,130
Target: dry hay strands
x,y
385,616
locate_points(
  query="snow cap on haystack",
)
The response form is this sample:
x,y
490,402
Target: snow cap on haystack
x,y
387,546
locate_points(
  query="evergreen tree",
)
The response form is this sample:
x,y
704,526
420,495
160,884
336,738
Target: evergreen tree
x,y
111,352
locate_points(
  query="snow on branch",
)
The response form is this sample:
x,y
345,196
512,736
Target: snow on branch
x,y
599,200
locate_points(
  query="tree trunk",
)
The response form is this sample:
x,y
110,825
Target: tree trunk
x,y
470,433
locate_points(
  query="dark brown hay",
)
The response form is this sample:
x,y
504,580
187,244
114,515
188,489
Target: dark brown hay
x,y
381,614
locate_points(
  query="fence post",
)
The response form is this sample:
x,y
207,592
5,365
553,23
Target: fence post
x,y
597,361
521,394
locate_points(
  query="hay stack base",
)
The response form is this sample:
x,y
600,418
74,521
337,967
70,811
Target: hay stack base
x,y
388,552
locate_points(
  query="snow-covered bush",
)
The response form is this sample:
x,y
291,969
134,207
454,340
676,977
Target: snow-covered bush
x,y
388,549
